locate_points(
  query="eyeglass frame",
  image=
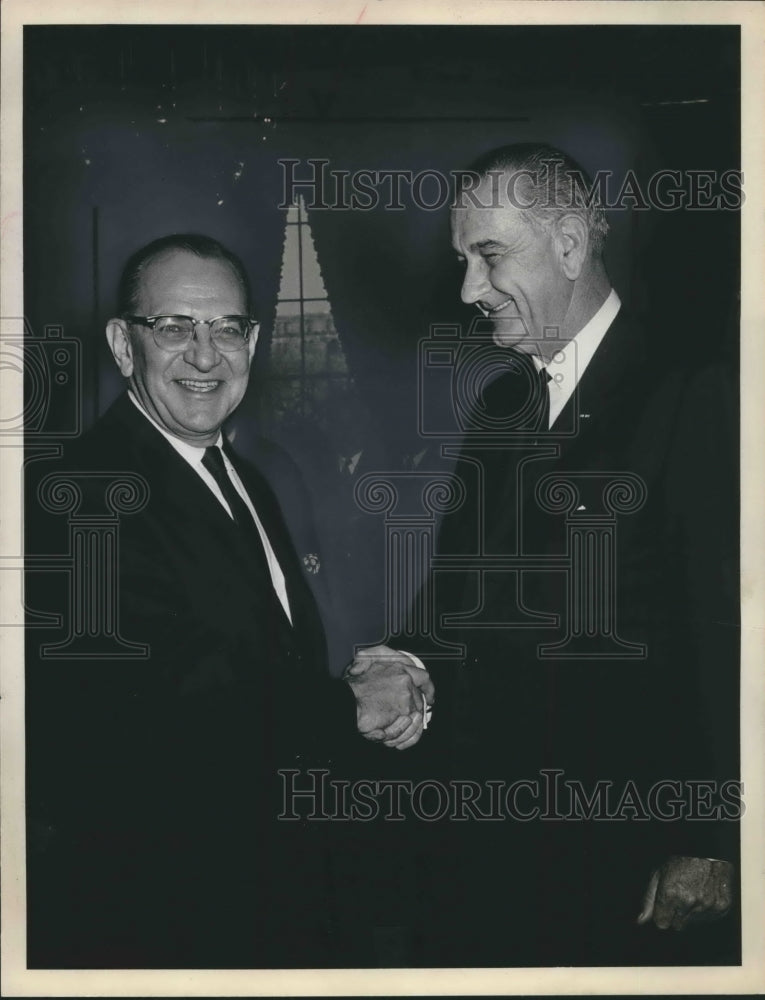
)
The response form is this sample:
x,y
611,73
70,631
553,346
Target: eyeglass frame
x,y
151,321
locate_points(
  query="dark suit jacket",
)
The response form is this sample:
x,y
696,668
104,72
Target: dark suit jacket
x,y
152,783
353,550
509,709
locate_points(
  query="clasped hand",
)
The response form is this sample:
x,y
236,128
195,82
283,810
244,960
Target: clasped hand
x,y
392,693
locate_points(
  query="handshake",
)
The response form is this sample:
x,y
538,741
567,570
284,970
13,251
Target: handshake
x,y
393,693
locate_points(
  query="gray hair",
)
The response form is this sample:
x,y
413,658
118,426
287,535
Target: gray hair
x,y
548,184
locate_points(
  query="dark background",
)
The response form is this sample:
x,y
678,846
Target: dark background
x,y
133,132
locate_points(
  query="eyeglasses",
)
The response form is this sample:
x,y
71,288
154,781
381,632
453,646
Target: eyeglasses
x,y
175,333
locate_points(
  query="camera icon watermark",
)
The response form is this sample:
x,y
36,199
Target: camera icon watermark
x,y
457,368
40,408
42,375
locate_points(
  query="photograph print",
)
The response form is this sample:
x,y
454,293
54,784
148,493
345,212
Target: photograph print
x,y
381,495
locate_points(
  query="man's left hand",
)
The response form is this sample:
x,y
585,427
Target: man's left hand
x,y
688,890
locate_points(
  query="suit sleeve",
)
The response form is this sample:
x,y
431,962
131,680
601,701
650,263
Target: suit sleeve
x,y
703,504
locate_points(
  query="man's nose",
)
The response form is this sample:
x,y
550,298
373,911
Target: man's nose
x,y
201,352
475,285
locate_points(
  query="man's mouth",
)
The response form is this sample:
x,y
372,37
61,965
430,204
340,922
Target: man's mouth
x,y
488,310
198,385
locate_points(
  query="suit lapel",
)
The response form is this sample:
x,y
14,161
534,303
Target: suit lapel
x,y
183,501
302,606
611,375
592,414
171,478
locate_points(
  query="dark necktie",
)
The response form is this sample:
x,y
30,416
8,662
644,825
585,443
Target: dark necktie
x,y
543,419
518,401
213,462
522,393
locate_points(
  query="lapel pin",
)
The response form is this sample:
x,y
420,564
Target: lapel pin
x,y
312,563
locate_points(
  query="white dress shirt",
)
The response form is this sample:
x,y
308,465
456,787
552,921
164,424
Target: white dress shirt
x,y
193,455
568,365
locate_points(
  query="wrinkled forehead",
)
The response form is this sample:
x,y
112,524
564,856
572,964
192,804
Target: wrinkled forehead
x,y
179,281
478,223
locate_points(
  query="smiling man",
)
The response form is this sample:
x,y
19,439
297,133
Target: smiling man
x,y
187,380
162,794
532,240
597,606
530,268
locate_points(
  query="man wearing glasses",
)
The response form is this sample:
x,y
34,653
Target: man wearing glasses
x,y
162,794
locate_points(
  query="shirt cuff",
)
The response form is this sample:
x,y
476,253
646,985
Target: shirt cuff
x,y
428,711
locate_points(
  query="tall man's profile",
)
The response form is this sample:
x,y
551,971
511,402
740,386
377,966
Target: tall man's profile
x,y
590,577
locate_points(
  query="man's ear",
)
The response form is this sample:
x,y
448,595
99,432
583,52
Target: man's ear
x,y
252,341
572,243
118,339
